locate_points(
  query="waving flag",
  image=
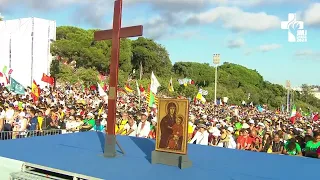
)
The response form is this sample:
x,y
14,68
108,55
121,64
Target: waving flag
x,y
4,80
128,88
16,87
4,70
152,99
103,94
293,114
315,117
35,91
154,84
171,89
47,79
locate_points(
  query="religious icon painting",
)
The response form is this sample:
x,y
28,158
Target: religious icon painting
x,y
172,128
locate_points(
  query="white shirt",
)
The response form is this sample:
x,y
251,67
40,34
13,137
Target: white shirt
x,y
133,127
200,138
103,122
72,124
231,144
9,114
3,114
145,131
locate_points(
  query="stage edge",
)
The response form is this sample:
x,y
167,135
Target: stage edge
x,y
75,176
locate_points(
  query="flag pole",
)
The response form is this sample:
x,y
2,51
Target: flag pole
x,y
139,93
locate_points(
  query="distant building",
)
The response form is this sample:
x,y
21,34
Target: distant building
x,y
315,91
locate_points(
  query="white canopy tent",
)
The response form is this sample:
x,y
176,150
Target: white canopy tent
x,y
25,48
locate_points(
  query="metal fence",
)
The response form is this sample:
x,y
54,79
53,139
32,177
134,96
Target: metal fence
x,y
7,135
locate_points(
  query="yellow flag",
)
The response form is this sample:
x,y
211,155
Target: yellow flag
x,y
170,87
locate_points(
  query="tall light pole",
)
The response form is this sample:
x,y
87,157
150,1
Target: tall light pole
x,y
288,85
216,61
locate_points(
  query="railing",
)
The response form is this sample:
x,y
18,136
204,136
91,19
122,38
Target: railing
x,y
6,135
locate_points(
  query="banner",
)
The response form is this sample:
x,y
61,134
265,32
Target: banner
x,y
16,87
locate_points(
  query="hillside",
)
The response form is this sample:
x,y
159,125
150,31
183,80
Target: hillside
x,y
76,46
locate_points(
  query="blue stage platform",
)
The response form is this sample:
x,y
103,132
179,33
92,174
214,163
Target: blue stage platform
x,y
82,153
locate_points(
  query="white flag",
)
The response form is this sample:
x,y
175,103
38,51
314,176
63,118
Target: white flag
x,y
138,89
154,84
101,91
103,94
225,99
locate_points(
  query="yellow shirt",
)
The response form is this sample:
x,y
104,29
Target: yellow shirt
x,y
116,128
190,129
121,126
61,115
40,120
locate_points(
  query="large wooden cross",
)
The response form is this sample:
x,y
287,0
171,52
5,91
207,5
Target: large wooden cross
x,y
115,34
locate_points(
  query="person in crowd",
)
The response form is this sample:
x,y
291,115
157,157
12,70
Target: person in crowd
x,y
144,126
121,123
312,146
130,128
292,148
244,141
72,125
266,142
22,125
277,145
256,145
153,129
202,136
33,123
88,123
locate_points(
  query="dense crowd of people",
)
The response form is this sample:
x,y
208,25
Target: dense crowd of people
x,y
69,109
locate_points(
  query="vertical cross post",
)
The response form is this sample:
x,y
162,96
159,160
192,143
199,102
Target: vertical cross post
x,y
115,34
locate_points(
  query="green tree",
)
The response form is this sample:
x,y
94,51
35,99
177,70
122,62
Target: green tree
x,y
201,73
152,56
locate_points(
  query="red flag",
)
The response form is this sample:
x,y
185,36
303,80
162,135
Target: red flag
x,y
93,87
315,117
141,88
105,87
10,71
47,79
293,119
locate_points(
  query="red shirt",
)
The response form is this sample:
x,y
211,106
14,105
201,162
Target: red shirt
x,y
245,142
318,151
152,135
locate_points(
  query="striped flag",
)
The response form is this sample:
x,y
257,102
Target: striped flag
x,y
35,91
293,114
128,88
152,99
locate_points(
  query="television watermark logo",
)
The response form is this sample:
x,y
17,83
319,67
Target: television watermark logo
x,y
296,32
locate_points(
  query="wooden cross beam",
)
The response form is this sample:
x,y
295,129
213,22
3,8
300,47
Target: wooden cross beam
x,y
126,32
115,34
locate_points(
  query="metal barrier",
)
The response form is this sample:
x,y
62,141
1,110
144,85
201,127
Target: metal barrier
x,y
7,135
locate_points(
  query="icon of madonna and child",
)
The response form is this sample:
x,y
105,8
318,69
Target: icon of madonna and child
x,y
172,127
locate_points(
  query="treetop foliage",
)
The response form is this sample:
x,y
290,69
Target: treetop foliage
x,y
234,81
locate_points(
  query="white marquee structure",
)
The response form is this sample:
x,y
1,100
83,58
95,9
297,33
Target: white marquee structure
x,y
25,48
